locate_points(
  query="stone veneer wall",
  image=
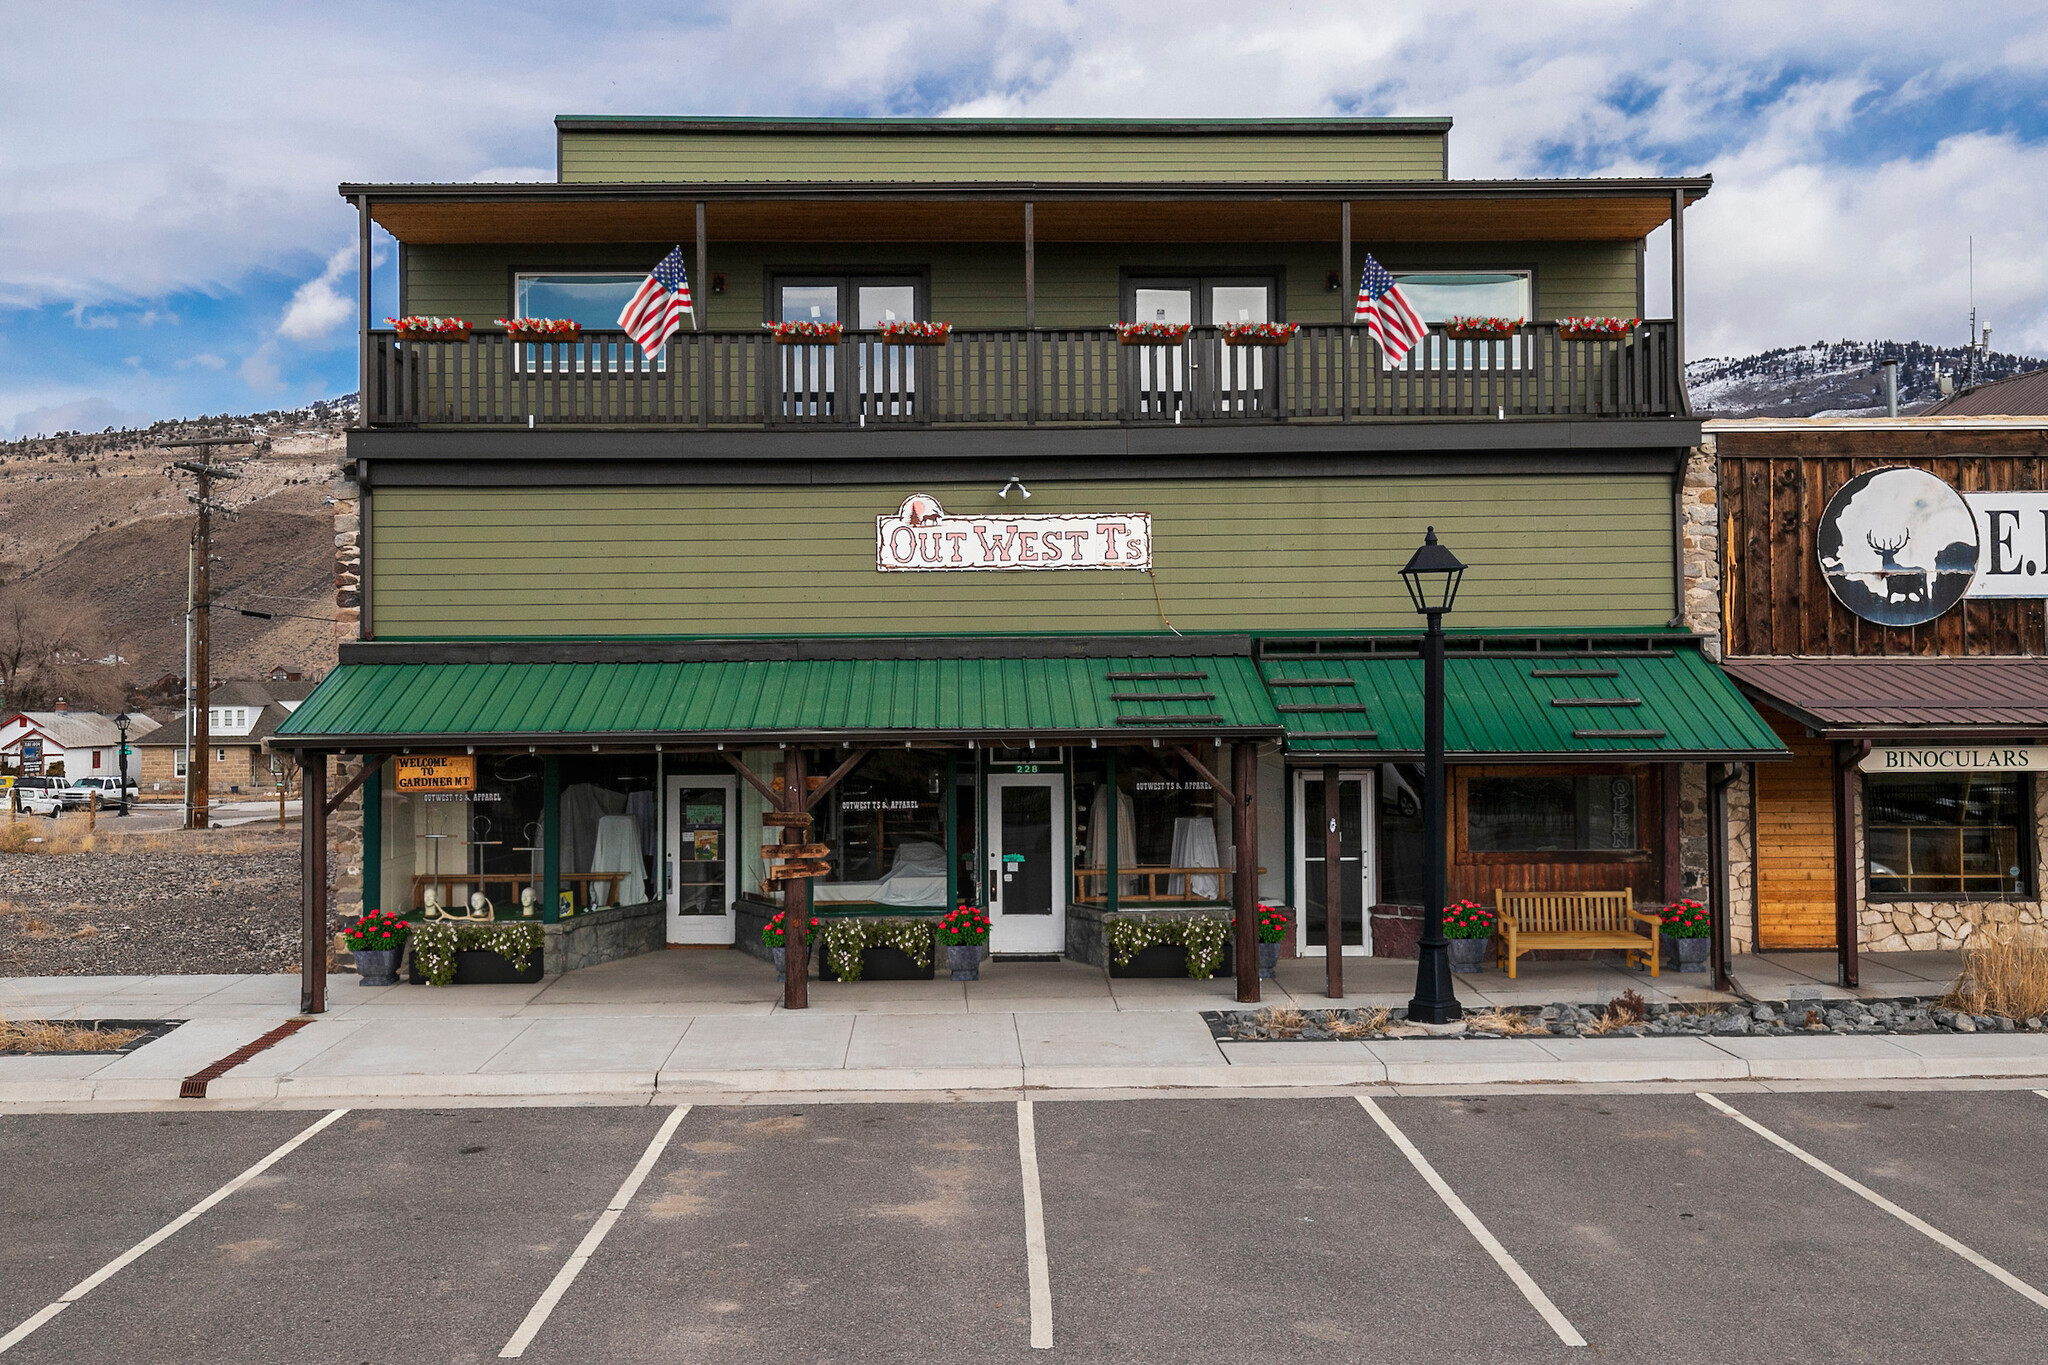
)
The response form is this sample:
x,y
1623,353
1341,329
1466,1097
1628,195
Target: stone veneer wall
x,y
604,935
1742,864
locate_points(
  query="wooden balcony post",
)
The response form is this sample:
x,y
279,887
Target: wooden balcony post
x,y
1678,291
1031,311
701,296
1347,297
363,364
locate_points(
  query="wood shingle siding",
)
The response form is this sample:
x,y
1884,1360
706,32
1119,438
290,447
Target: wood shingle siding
x,y
601,157
1267,554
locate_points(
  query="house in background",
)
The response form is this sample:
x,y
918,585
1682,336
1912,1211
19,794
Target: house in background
x,y
1088,609
66,743
241,714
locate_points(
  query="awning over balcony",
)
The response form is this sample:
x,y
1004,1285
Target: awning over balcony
x,y
382,706
1381,211
1657,705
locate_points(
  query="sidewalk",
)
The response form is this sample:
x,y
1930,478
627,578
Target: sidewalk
x,y
680,1024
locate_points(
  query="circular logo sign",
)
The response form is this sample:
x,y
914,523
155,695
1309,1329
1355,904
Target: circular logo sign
x,y
1898,546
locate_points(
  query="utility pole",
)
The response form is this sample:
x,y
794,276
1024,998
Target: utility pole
x,y
198,680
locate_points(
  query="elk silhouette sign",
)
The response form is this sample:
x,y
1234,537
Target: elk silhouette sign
x,y
1898,546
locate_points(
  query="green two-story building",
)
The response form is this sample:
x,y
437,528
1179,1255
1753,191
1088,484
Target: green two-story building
x,y
1060,617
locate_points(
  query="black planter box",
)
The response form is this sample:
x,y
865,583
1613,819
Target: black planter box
x,y
881,964
482,967
1164,960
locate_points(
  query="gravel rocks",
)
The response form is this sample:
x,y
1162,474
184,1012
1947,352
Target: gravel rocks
x,y
170,904
1801,1018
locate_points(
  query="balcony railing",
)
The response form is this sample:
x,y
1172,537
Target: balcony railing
x,y
1049,376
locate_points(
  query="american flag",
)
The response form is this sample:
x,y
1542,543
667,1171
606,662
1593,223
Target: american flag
x,y
1386,312
656,309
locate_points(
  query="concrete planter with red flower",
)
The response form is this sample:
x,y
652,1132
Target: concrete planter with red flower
x,y
1687,934
377,942
773,935
963,932
1274,922
1469,927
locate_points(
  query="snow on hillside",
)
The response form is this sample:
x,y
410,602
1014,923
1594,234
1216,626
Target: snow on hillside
x,y
1843,378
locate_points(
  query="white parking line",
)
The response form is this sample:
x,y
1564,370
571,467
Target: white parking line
x,y
537,1316
1928,1230
1034,1230
134,1253
1531,1291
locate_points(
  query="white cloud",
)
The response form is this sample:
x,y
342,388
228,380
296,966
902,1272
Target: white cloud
x,y
260,369
190,182
321,305
205,360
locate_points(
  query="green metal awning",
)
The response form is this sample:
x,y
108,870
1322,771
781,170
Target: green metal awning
x,y
1661,704
385,705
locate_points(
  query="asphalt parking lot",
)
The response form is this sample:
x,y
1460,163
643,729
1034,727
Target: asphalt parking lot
x,y
1655,1226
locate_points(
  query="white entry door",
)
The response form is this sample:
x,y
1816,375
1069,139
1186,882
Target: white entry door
x,y
701,876
1027,881
1354,864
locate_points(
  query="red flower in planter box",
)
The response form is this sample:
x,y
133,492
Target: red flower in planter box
x,y
1468,919
963,927
1687,919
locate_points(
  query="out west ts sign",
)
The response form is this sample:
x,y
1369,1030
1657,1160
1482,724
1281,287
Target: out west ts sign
x,y
921,538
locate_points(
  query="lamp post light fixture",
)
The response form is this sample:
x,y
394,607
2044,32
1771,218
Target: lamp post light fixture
x,y
1431,577
121,723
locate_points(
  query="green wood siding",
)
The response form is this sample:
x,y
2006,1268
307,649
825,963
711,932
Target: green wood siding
x,y
982,285
701,157
1259,554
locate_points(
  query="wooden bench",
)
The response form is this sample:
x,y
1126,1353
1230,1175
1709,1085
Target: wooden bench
x,y
1530,920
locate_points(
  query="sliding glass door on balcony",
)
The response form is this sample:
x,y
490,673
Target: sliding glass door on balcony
x,y
879,376
1164,382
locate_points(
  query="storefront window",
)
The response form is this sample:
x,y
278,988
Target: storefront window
x,y
1948,836
1172,834
1589,814
886,825
609,834
453,845
1400,841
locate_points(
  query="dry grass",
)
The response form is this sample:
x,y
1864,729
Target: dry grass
x,y
34,927
2005,972
1623,1011
30,835
1502,1021
38,1036
1285,1023
1375,1021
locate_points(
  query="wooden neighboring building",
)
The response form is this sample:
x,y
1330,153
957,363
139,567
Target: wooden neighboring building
x,y
1884,584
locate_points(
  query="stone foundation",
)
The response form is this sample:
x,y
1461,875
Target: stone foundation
x,y
604,935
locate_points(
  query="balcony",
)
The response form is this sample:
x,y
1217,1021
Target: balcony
x,y
1075,377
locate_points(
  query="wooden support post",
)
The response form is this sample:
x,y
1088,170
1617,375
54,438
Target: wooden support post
x,y
313,899
1333,881
1116,806
1031,383
1847,756
1244,780
364,367
373,846
92,811
700,294
1347,292
1678,285
796,893
1719,778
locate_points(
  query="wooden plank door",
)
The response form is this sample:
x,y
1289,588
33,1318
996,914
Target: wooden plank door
x,y
1795,843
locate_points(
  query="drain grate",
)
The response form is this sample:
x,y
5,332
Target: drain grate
x,y
194,1086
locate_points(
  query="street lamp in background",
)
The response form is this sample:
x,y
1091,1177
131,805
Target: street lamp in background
x,y
121,723
1431,576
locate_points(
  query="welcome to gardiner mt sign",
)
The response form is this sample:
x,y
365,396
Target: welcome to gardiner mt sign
x,y
921,538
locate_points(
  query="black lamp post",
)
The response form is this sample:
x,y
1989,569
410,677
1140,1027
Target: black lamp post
x,y
1431,577
121,723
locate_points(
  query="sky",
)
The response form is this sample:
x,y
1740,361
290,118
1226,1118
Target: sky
x,y
171,242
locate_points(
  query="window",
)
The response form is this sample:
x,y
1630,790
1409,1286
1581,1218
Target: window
x,y
1489,294
592,300
96,756
1948,836
885,823
1591,814
179,762
1172,834
220,755
883,378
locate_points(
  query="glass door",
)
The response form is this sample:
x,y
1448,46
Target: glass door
x,y
888,379
1240,370
701,872
1355,864
806,372
1159,373
1027,879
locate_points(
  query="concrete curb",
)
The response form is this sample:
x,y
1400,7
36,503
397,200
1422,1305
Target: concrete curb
x,y
1435,1069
